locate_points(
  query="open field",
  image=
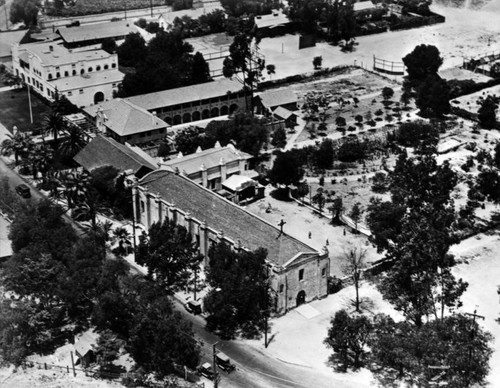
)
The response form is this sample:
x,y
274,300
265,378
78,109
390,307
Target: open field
x,y
14,110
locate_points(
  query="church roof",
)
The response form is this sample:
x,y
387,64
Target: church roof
x,y
222,215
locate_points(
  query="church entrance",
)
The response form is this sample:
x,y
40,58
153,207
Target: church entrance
x,y
301,298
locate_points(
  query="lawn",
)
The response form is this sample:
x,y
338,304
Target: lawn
x,y
14,110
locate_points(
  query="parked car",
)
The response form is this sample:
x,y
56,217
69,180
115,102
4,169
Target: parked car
x,y
224,362
207,371
193,306
23,191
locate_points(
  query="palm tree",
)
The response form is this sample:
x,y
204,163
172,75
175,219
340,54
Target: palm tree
x,y
87,210
123,236
53,123
40,158
18,144
76,186
74,142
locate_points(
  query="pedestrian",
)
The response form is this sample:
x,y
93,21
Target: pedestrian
x,y
310,234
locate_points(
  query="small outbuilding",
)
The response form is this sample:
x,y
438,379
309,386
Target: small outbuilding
x,y
85,348
288,116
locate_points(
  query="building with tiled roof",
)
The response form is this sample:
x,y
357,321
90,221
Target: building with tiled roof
x,y
298,271
91,34
104,151
269,100
85,77
195,102
126,122
212,166
364,6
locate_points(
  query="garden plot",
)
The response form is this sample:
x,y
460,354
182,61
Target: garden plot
x,y
352,95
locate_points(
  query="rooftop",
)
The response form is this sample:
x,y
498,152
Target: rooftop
x,y
104,151
363,5
274,98
283,112
210,157
55,54
275,19
186,94
222,215
124,118
97,31
88,79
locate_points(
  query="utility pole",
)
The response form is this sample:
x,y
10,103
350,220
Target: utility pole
x,y
474,315
216,374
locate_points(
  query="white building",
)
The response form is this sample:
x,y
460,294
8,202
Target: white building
x,y
84,76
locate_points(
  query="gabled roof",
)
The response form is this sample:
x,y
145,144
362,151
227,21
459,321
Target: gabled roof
x,y
222,215
273,98
85,342
97,31
185,94
195,13
275,19
104,151
238,182
283,112
124,118
210,157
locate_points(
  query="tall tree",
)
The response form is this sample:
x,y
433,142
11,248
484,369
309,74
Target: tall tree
x,y
354,263
244,59
287,169
18,144
25,11
486,113
132,50
356,214
200,70
347,337
422,62
53,123
167,251
240,298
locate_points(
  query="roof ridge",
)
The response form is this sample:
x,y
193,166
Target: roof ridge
x,y
122,147
166,172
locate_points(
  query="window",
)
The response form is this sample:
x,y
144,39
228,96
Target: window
x,y
106,67
41,88
323,272
74,72
113,65
301,274
97,68
81,91
58,75
142,207
282,287
66,74
70,93
90,69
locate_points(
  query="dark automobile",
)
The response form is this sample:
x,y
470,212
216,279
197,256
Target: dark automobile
x,y
23,191
207,371
224,363
193,306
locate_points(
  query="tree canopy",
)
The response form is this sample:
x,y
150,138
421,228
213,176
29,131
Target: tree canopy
x,y
239,299
287,169
425,60
168,251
